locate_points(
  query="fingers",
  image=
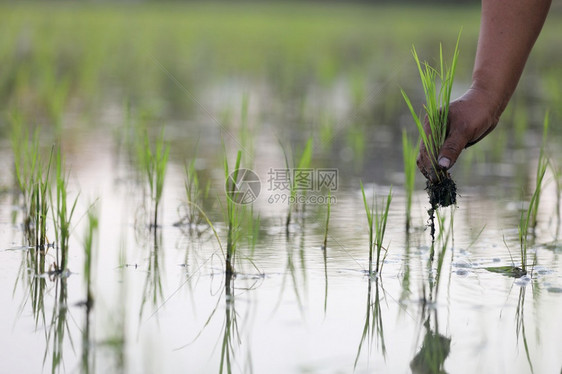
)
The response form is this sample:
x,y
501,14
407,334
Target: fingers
x,y
471,117
448,154
451,149
424,164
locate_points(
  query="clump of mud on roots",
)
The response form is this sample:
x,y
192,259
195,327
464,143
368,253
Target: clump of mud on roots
x,y
442,193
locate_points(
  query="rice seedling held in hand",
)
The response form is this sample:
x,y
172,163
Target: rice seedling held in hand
x,y
437,85
377,226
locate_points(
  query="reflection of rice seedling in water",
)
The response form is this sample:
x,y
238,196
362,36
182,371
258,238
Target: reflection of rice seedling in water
x,y
58,326
445,233
409,153
91,232
328,208
373,322
62,213
253,224
231,334
377,226
153,289
520,325
437,86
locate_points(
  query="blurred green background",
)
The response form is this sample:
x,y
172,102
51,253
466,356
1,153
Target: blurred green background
x,y
333,70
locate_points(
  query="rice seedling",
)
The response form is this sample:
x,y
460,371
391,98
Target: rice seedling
x,y
377,219
62,212
25,154
541,169
246,137
232,213
154,163
437,86
38,206
528,216
409,154
299,178
195,197
32,178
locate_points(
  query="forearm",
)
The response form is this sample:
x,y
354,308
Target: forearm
x,y
508,31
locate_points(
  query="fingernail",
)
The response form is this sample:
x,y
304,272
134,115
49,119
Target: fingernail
x,y
444,162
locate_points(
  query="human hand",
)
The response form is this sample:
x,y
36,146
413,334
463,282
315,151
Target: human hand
x,y
471,117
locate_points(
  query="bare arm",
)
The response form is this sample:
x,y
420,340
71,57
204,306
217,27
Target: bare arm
x,y
508,31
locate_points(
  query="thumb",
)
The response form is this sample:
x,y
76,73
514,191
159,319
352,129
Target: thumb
x,y
451,149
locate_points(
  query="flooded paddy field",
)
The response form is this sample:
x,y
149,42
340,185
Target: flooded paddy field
x,y
129,243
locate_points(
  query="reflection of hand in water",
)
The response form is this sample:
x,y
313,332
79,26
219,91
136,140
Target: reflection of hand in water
x,y
432,354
